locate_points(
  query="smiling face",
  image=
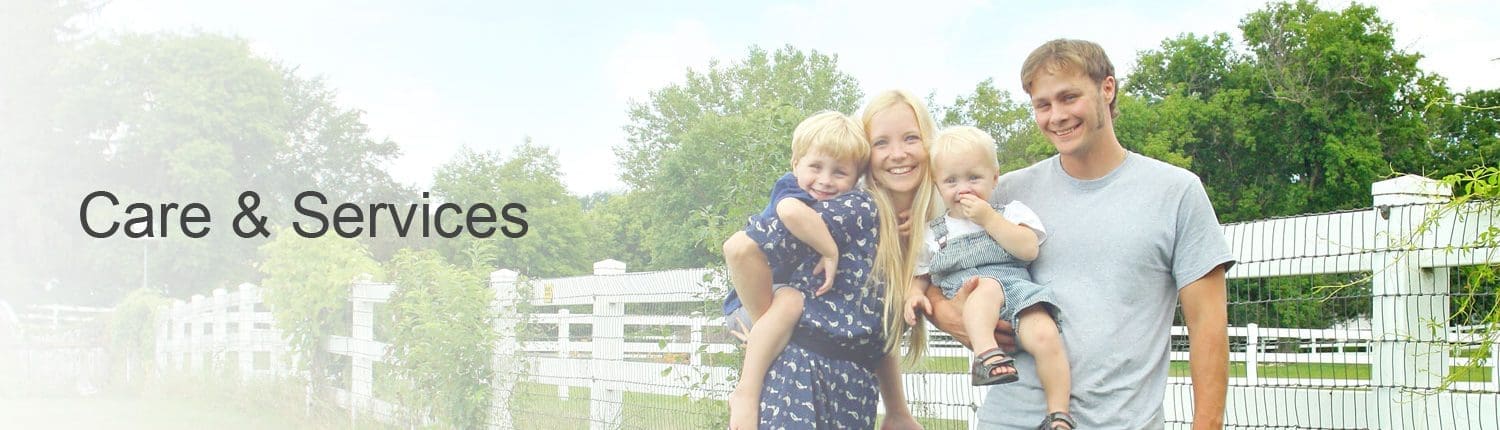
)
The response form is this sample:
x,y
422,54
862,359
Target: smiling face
x,y
898,157
1073,111
825,176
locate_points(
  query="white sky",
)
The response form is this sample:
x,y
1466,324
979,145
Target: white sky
x,y
434,77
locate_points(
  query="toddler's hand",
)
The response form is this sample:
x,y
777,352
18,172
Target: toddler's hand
x,y
975,208
912,304
829,267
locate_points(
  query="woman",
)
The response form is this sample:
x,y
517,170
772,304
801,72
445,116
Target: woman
x,y
826,376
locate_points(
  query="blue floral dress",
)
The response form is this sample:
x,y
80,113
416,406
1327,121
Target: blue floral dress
x,y
825,378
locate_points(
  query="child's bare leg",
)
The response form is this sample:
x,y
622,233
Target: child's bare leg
x,y
981,312
749,272
1038,333
767,338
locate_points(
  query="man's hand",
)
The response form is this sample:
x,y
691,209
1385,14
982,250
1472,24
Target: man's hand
x,y
829,267
947,315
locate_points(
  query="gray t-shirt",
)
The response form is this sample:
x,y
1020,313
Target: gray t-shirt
x,y
1118,250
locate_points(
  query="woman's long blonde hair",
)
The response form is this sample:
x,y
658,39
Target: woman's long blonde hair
x,y
895,260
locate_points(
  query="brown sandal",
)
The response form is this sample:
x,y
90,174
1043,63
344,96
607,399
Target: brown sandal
x,y
983,371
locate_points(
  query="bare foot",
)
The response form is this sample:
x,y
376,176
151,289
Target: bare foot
x,y
744,410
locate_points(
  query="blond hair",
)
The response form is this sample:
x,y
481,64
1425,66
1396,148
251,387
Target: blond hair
x,y
895,261
833,134
1069,55
963,141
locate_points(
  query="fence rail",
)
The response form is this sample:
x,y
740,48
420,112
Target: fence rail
x,y
647,334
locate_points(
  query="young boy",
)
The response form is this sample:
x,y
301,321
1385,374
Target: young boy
x,y
959,248
829,152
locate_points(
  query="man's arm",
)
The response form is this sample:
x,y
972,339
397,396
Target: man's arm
x,y
1205,311
947,315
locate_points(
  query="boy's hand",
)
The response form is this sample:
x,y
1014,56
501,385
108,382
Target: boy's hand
x,y
829,267
913,302
904,226
975,208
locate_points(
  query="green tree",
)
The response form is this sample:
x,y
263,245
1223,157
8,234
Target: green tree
x,y
197,118
307,283
557,241
703,153
442,340
619,230
1470,135
132,335
1318,106
1315,107
44,172
1009,121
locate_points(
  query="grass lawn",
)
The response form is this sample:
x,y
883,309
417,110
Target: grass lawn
x,y
537,406
137,412
1236,370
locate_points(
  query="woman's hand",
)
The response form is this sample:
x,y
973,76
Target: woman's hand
x,y
900,422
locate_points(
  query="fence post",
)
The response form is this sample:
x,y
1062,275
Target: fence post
x,y
179,340
195,326
605,397
507,354
247,299
1252,354
221,328
1495,364
695,340
564,334
361,366
1408,357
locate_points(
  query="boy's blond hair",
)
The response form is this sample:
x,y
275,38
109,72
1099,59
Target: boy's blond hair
x,y
833,134
963,141
1069,55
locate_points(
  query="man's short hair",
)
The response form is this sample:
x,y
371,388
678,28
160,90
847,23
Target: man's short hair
x,y
1069,55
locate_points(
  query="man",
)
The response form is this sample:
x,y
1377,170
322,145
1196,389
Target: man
x,y
1128,236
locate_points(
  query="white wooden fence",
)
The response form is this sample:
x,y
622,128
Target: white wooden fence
x,y
1408,359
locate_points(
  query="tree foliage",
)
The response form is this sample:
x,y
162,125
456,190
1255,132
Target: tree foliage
x,y
307,284
702,153
131,331
558,240
1009,121
1317,106
441,340
167,117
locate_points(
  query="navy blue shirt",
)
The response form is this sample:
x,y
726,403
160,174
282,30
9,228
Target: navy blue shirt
x,y
785,188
